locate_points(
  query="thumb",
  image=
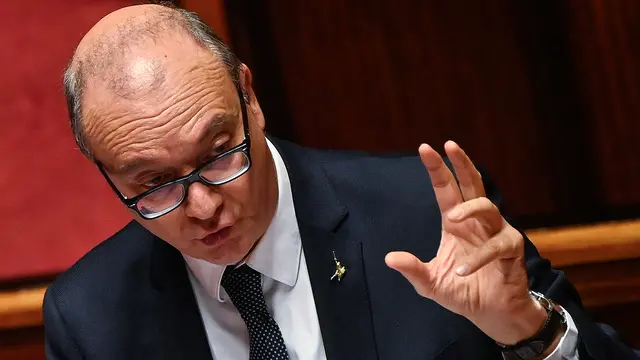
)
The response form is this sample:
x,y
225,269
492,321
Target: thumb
x,y
413,270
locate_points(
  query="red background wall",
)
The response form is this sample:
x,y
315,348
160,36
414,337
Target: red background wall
x,y
54,206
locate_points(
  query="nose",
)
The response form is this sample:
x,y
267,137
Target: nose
x,y
202,201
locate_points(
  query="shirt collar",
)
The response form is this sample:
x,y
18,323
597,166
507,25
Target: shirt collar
x,y
277,254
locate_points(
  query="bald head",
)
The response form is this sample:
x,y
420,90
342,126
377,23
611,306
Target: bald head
x,y
118,52
124,55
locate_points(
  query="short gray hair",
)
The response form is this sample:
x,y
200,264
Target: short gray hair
x,y
74,75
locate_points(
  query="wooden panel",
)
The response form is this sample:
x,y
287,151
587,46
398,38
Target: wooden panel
x,y
22,344
604,38
21,307
588,244
607,284
380,78
517,84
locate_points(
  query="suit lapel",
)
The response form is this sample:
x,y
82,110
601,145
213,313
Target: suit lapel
x,y
178,325
344,309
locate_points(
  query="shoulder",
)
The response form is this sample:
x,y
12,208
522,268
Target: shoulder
x,y
384,194
384,178
359,171
398,177
112,266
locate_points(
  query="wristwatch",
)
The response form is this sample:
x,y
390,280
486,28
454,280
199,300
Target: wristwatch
x,y
535,346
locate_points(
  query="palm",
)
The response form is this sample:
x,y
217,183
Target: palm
x,y
459,294
480,238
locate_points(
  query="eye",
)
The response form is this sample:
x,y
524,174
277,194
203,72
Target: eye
x,y
156,180
217,150
220,145
220,148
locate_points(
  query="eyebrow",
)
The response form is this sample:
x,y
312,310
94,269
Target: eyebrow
x,y
216,123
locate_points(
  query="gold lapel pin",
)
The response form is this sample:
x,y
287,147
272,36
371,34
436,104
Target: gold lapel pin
x,y
340,269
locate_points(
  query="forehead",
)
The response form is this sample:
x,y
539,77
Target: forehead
x,y
163,67
143,120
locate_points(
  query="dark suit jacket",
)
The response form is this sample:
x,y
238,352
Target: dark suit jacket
x,y
130,297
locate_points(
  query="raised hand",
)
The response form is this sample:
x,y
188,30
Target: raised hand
x,y
479,270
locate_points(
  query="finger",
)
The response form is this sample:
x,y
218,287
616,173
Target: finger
x,y
482,209
444,184
412,269
505,245
469,177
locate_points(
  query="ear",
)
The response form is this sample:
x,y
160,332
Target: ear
x,y
246,80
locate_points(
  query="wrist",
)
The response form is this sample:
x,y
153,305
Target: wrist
x,y
546,340
526,321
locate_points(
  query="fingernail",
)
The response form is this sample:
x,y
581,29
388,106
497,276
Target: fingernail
x,y
455,214
463,270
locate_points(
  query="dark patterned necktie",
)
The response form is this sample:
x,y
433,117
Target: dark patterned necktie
x,y
244,287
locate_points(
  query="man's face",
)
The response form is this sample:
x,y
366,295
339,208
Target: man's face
x,y
149,138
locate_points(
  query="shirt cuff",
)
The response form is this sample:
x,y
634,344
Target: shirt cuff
x,y
567,348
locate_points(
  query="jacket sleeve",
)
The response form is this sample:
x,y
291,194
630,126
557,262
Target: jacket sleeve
x,y
594,343
58,344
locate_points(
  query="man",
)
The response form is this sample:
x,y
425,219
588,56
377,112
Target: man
x,y
249,247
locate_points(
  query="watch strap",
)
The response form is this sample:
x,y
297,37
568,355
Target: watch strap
x,y
535,346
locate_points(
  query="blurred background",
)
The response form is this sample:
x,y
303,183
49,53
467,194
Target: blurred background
x,y
544,95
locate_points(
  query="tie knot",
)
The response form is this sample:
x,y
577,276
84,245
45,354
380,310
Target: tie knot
x,y
242,277
244,287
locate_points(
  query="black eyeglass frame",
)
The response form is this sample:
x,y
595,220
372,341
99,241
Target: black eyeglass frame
x,y
194,176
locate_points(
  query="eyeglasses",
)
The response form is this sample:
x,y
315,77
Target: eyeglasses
x,y
223,168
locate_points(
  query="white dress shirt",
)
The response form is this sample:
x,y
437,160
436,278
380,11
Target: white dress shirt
x,y
287,289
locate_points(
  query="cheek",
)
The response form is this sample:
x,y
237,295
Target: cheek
x,y
261,180
247,196
168,227
238,195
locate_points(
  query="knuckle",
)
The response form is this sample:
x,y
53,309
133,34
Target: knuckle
x,y
488,204
496,246
495,208
466,207
439,182
512,247
518,238
513,241
485,202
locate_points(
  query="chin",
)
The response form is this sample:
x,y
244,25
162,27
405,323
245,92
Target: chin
x,y
231,255
222,259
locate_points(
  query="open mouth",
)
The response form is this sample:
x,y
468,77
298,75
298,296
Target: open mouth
x,y
218,237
